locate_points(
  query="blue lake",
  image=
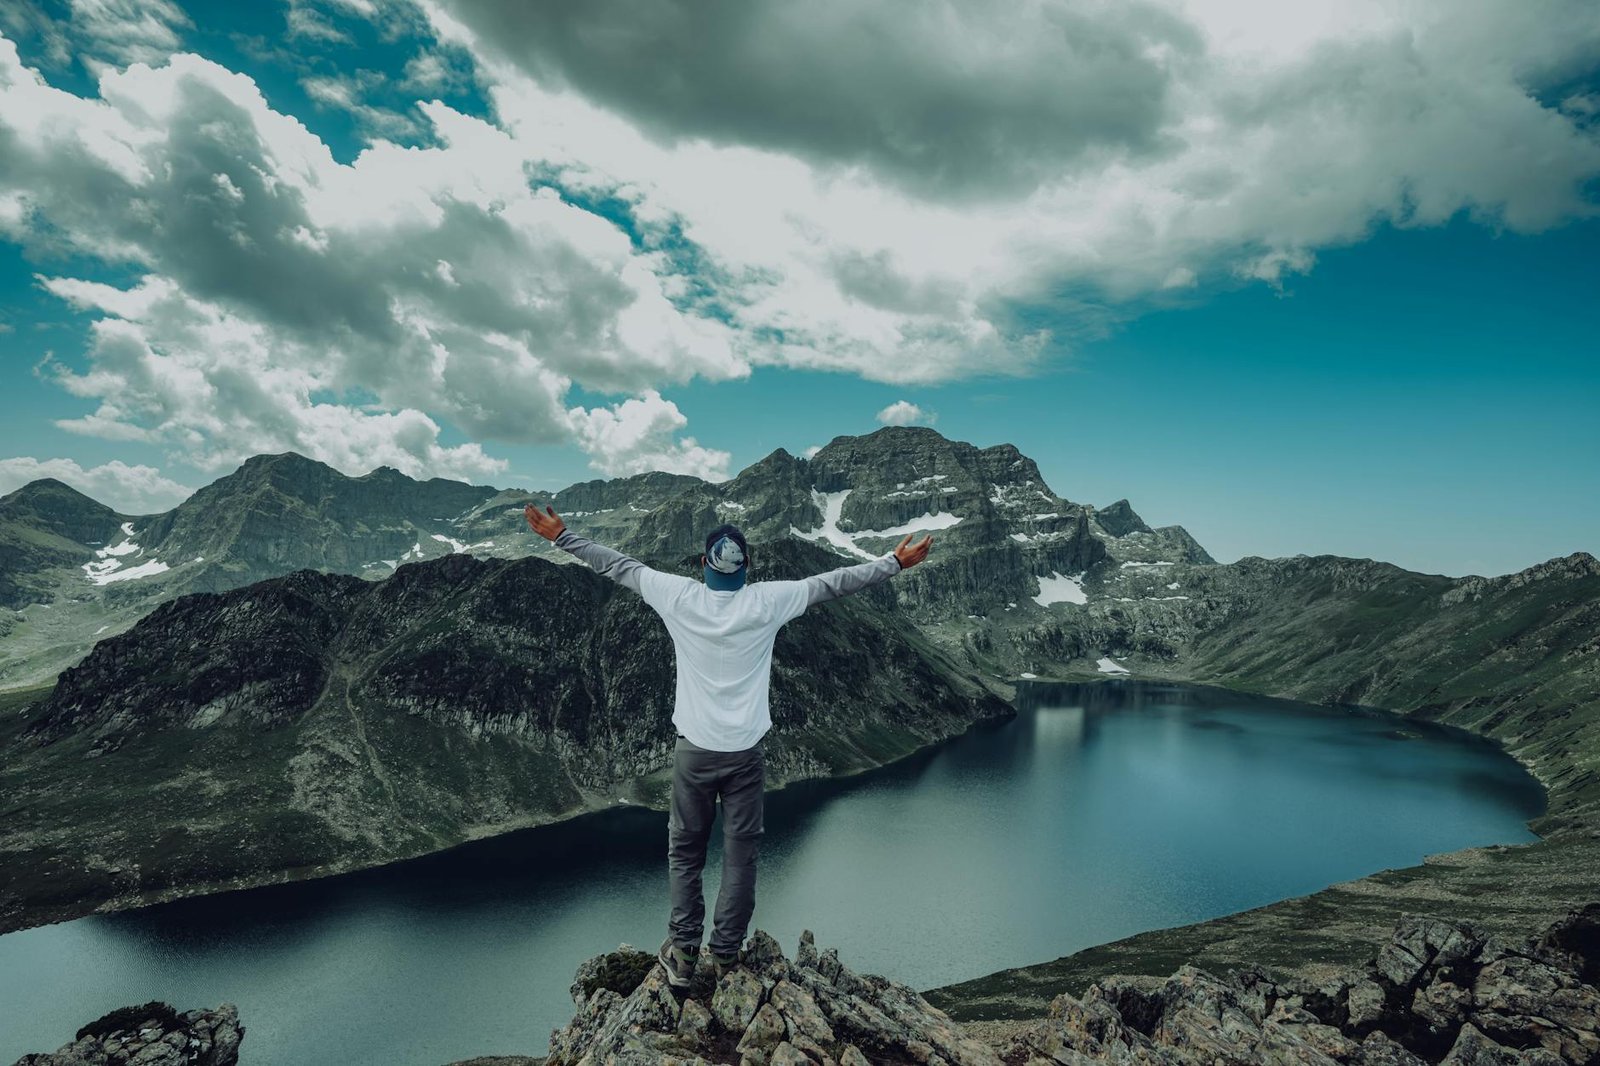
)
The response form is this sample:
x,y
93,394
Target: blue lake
x,y
1099,811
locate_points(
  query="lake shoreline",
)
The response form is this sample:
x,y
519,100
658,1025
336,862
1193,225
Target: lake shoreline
x,y
36,916
1099,771
1503,888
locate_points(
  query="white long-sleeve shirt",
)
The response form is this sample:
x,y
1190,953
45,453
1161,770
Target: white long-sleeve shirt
x,y
723,639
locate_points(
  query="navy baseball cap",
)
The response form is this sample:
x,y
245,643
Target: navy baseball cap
x,y
727,559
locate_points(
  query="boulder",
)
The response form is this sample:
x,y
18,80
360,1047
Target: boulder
x,y
1437,992
153,1034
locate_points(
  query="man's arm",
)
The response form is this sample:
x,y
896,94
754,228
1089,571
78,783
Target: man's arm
x,y
607,562
625,570
847,579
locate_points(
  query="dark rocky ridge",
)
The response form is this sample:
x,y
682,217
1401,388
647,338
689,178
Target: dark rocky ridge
x,y
349,723
152,1035
1436,992
1120,519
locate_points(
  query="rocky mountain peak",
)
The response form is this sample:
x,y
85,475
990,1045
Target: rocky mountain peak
x,y
1120,519
280,462
56,507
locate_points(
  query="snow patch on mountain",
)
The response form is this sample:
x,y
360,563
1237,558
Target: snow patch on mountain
x,y
1107,666
107,566
456,545
832,505
1061,588
154,566
927,520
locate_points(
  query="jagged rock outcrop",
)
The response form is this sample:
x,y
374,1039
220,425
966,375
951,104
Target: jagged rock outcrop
x,y
769,1011
1120,519
153,1034
1438,992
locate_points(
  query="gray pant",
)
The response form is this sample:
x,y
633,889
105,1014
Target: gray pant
x,y
699,776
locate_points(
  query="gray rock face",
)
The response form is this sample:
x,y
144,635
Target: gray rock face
x,y
152,1035
281,512
769,1011
1438,992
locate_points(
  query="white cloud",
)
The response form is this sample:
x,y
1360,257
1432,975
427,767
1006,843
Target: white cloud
x,y
905,413
811,451
127,31
305,20
466,284
171,369
275,280
136,489
1278,130
637,435
433,71
347,92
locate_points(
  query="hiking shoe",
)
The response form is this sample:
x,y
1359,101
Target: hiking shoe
x,y
722,964
678,962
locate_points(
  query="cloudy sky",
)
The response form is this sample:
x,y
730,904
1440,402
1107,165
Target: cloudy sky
x,y
1312,277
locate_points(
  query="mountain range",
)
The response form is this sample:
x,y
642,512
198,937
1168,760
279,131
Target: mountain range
x,y
295,672
62,552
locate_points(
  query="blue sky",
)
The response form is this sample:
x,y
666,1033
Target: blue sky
x,y
1223,281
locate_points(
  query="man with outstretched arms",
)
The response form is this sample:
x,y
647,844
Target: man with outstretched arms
x,y
722,633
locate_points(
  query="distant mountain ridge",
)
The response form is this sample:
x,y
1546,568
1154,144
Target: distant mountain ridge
x,y
1000,530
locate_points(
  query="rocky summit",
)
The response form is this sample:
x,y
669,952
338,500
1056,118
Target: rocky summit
x,y
152,1035
1437,992
767,1011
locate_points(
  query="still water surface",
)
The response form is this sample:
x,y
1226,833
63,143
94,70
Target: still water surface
x,y
1099,811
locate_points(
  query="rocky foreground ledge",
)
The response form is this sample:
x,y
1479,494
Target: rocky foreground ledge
x,y
152,1035
1438,992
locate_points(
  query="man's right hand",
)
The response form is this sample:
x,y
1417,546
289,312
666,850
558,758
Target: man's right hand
x,y
547,524
913,555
